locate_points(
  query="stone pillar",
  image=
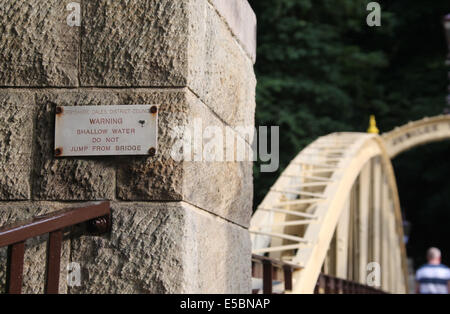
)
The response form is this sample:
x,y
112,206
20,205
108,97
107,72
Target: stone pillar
x,y
178,226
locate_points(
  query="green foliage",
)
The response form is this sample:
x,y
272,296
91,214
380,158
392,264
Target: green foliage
x,y
425,194
321,69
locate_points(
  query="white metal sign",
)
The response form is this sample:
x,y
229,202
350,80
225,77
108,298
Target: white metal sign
x,y
106,130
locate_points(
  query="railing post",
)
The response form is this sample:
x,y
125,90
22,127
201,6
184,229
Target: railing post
x,y
321,284
287,278
14,270
267,277
53,261
97,216
360,289
254,274
332,285
327,285
340,286
353,287
347,288
316,288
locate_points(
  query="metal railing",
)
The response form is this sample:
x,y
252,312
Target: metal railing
x,y
97,220
275,271
331,285
271,270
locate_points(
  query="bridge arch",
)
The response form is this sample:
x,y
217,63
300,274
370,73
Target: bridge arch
x,y
417,133
308,218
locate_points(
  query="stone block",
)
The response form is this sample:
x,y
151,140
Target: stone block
x,y
16,137
242,21
224,188
134,43
164,248
38,47
141,178
168,44
158,177
77,179
218,255
220,73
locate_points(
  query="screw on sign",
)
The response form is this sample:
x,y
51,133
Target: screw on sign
x,y
58,152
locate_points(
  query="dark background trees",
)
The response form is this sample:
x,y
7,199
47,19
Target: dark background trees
x,y
321,69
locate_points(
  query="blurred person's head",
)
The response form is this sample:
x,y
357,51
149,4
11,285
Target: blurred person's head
x,y
434,256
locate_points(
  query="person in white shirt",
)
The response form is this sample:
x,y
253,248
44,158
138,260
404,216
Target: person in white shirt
x,y
433,278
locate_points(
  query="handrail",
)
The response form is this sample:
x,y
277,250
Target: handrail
x,y
277,270
327,284
97,216
268,274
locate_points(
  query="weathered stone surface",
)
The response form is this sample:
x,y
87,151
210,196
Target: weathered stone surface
x,y
37,47
35,248
134,43
164,248
224,188
242,20
219,72
153,248
159,177
168,44
140,178
16,136
80,179
217,255
197,243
